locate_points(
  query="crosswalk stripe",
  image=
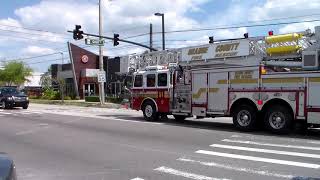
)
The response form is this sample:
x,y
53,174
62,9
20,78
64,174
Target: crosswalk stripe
x,y
314,142
240,169
185,174
273,145
5,113
266,151
260,159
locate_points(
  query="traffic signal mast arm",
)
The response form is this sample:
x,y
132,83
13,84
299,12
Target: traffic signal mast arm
x,y
122,40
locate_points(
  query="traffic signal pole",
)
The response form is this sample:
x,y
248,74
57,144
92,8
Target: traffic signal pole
x,y
120,40
101,85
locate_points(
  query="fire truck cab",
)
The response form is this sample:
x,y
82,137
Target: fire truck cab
x,y
150,91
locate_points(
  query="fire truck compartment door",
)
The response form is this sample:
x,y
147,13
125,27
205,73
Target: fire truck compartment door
x,y
199,93
218,92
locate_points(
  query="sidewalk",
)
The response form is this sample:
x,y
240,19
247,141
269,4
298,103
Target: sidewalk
x,y
77,103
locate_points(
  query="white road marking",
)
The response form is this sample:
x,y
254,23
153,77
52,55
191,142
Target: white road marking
x,y
137,178
260,159
273,145
285,140
100,116
31,131
313,142
4,112
185,174
240,169
24,113
289,153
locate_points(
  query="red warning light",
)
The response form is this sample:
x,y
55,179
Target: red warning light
x,y
270,33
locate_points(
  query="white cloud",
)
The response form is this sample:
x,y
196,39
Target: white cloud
x,y
36,50
298,27
274,9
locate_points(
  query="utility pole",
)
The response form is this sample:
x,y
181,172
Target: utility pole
x,y
150,37
101,86
163,36
62,59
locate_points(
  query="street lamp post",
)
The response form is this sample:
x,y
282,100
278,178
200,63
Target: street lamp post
x,y
163,32
62,59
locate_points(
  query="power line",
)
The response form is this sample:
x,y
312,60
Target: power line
x,y
20,37
63,50
235,27
50,60
21,32
34,29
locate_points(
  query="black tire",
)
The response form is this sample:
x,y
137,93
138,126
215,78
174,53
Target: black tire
x,y
179,117
2,104
149,111
5,105
25,106
278,119
245,117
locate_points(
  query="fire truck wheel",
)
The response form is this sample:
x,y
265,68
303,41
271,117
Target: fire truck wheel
x,y
278,119
179,117
149,111
244,117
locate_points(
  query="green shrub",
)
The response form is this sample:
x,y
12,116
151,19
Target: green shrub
x,y
67,98
50,94
114,100
34,97
92,99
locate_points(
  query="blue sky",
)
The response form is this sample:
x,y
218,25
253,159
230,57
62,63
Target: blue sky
x,y
132,17
9,6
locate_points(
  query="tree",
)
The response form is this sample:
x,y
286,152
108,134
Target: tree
x,y
46,80
15,73
48,83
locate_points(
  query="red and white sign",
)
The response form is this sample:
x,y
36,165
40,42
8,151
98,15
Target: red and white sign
x,y
84,59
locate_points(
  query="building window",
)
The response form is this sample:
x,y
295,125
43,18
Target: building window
x,y
138,81
162,79
151,80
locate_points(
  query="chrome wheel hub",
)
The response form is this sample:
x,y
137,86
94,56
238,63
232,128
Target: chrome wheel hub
x,y
148,111
277,120
244,118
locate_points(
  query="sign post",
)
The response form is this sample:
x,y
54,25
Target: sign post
x,y
101,76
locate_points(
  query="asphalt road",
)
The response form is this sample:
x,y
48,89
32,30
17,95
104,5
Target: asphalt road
x,y
74,143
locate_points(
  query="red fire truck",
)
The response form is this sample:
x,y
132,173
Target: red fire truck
x,y
273,80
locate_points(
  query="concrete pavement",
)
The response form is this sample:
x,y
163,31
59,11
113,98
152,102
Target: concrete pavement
x,y
62,142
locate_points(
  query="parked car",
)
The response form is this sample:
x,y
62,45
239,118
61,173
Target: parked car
x,y
7,168
11,97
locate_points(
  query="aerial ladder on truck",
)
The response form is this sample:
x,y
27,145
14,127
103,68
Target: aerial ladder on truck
x,y
273,80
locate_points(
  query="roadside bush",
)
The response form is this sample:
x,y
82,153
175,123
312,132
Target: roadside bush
x,y
34,97
50,94
108,99
67,98
114,100
92,99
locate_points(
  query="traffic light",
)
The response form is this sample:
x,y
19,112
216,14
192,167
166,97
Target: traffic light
x,y
77,33
115,39
211,39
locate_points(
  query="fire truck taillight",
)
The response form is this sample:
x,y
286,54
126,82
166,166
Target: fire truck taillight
x,y
263,70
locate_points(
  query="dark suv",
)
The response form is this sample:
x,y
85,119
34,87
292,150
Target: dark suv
x,y
11,97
